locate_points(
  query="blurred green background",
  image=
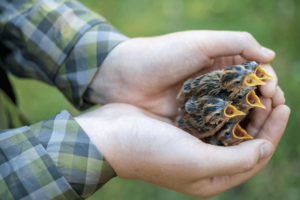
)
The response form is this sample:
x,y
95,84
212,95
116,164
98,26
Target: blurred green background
x,y
275,24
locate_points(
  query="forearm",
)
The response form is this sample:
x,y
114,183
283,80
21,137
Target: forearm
x,y
55,156
62,43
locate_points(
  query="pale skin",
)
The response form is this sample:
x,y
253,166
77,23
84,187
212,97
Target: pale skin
x,y
139,140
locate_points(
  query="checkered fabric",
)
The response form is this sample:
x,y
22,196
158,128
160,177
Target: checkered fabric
x,y
53,159
63,43
60,42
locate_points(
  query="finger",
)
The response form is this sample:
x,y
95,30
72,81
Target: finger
x,y
218,161
230,43
272,131
237,60
269,89
210,187
259,117
275,125
222,63
278,98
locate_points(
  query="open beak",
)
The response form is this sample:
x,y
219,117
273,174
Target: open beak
x,y
253,80
231,111
239,133
253,100
261,73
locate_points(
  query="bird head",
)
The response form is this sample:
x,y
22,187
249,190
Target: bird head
x,y
231,134
238,77
250,65
216,110
257,69
248,98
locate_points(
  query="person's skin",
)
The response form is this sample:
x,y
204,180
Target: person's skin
x,y
144,148
148,73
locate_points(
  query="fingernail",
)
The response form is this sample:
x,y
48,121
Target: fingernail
x,y
266,150
267,51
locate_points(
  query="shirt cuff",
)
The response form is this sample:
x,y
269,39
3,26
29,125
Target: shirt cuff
x,y
52,159
81,65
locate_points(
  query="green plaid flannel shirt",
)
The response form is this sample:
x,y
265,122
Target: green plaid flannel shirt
x,y
63,43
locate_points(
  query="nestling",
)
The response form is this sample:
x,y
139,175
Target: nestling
x,y
200,86
230,134
257,70
245,100
233,79
213,104
207,115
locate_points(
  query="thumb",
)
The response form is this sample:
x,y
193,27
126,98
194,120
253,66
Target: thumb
x,y
220,161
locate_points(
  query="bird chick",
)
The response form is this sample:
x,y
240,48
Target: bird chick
x,y
184,124
200,85
257,70
212,140
233,79
230,134
208,115
245,100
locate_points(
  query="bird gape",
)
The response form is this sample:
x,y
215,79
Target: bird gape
x,y
213,104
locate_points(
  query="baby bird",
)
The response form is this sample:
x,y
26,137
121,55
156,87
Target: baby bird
x,y
233,79
205,116
257,69
200,85
245,100
212,140
183,121
230,134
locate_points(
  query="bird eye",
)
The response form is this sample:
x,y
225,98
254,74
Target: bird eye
x,y
227,133
240,96
218,114
238,82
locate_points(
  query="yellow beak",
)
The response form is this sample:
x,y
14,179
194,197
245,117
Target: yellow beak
x,y
253,80
231,111
239,133
253,100
262,74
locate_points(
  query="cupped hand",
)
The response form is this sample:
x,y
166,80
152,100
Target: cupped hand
x,y
149,72
143,146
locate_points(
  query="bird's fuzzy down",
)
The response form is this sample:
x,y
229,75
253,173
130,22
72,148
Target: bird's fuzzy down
x,y
205,101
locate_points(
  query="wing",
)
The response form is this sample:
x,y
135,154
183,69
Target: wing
x,y
209,84
205,84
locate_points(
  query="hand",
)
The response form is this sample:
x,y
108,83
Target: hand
x,y
140,145
149,72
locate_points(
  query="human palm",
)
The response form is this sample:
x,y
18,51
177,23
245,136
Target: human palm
x,y
143,146
149,72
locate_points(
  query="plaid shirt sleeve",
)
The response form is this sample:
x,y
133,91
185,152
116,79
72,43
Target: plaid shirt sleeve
x,y
53,159
60,42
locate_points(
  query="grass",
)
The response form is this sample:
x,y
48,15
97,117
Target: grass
x,y
275,24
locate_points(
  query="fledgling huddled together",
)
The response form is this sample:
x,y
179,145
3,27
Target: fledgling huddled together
x,y
213,104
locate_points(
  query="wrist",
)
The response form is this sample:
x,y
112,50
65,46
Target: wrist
x,y
106,85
